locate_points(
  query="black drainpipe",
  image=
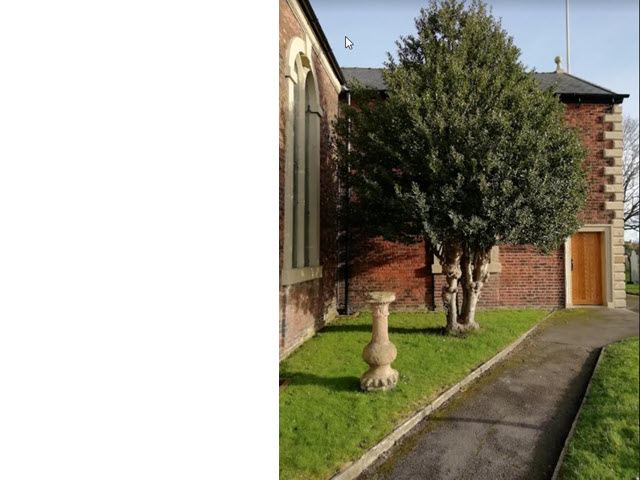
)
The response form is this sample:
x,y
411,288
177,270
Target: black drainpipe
x,y
346,217
428,255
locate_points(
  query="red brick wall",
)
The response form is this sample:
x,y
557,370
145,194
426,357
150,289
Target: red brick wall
x,y
380,265
305,307
588,119
527,279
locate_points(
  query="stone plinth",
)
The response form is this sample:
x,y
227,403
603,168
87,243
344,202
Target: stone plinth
x,y
380,352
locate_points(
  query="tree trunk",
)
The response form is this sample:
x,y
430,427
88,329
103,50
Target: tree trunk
x,y
451,268
466,266
475,272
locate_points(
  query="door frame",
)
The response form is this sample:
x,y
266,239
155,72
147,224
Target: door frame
x,y
607,264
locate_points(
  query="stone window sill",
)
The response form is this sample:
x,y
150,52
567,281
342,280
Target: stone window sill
x,y
298,275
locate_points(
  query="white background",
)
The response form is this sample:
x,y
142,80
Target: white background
x,y
138,240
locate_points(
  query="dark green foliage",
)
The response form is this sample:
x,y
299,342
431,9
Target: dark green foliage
x,y
467,148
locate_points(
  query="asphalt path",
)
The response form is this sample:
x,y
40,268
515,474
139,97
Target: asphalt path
x,y
513,422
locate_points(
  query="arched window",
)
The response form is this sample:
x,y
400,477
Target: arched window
x,y
301,260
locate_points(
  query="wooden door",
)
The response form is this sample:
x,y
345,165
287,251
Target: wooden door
x,y
586,268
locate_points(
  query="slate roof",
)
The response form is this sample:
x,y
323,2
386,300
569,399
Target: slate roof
x,y
368,77
571,88
570,84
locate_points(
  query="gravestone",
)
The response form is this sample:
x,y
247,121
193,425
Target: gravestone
x,y
633,267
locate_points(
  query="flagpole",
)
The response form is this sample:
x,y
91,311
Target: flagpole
x,y
566,2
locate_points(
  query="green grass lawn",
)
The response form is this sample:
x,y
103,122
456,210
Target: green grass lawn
x,y
606,442
325,420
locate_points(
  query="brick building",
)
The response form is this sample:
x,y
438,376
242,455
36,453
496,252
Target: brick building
x,y
587,270
520,277
310,83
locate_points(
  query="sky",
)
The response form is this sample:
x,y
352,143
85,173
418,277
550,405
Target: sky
x,y
603,35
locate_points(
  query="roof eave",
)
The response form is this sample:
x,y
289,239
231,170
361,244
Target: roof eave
x,y
592,98
571,97
324,43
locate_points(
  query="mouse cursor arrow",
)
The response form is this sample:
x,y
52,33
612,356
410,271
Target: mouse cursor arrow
x,y
348,43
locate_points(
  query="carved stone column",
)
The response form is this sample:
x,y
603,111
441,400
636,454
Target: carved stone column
x,y
380,352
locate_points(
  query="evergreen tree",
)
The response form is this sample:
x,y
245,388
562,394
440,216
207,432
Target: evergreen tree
x,y
466,152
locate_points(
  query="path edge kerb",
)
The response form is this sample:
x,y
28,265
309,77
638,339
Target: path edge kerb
x,y
358,466
572,431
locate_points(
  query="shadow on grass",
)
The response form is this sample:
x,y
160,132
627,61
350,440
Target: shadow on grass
x,y
398,330
337,384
